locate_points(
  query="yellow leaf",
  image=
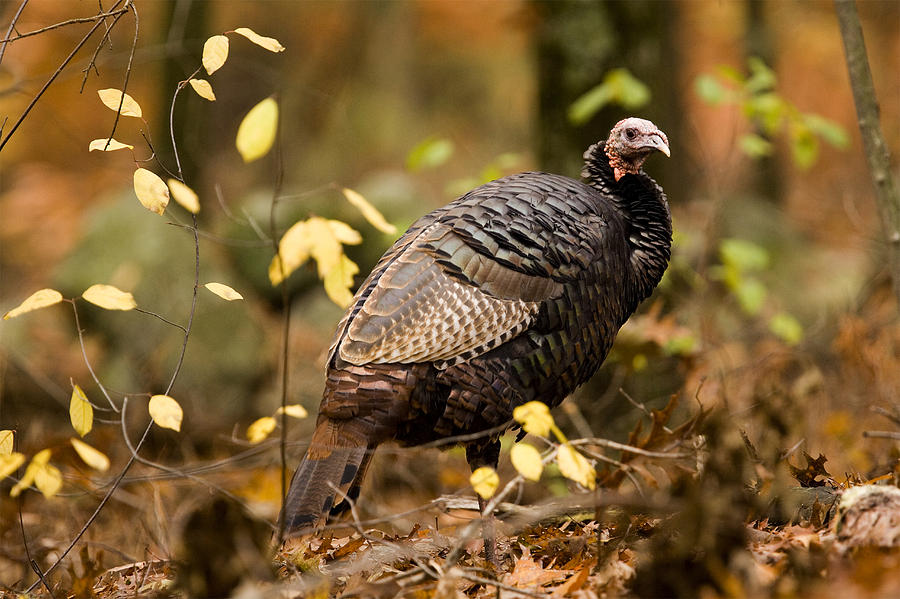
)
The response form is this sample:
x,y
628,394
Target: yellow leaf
x,y
260,429
224,291
108,145
293,250
215,53
7,442
48,480
111,98
38,299
81,412
37,462
151,191
527,460
165,412
575,466
293,410
369,212
203,89
339,281
269,43
9,463
184,195
256,133
534,417
109,297
485,481
94,458
344,232
324,246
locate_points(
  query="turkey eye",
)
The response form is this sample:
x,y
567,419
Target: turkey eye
x,y
630,133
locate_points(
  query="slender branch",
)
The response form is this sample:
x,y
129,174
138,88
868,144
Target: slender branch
x,y
100,16
882,435
887,194
165,320
12,26
87,362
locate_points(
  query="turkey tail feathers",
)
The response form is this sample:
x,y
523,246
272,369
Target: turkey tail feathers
x,y
326,475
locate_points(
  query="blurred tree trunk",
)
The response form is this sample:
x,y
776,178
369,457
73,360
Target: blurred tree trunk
x,y
577,44
765,178
887,195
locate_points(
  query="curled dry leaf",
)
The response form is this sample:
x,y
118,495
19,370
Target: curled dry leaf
x,y
575,466
215,53
369,212
485,481
39,299
81,412
7,442
534,417
293,410
269,43
203,89
109,297
94,458
257,130
260,429
151,191
108,145
527,460
112,97
165,412
224,291
184,195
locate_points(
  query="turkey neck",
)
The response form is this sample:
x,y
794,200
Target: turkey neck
x,y
645,209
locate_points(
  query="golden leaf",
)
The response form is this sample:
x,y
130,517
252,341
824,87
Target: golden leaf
x,y
184,195
256,133
293,251
215,53
344,232
260,429
9,463
109,297
324,246
485,481
165,412
108,145
293,410
39,460
224,291
7,442
527,460
151,191
39,299
339,281
269,43
203,89
534,417
575,466
48,480
111,98
369,212
81,412
94,458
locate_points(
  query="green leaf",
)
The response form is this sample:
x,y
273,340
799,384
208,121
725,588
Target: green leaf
x,y
751,294
804,148
619,86
430,153
709,89
755,146
767,109
787,328
743,254
761,78
828,130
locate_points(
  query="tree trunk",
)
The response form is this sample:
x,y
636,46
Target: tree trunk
x,y
878,156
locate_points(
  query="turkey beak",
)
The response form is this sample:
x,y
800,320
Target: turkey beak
x,y
659,142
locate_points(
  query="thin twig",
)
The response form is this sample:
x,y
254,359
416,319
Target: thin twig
x,y
12,26
92,63
165,320
882,435
8,39
87,362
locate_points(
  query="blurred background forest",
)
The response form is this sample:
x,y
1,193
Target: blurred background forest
x,y
777,305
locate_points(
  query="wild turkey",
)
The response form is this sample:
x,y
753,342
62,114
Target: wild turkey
x,y
511,293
